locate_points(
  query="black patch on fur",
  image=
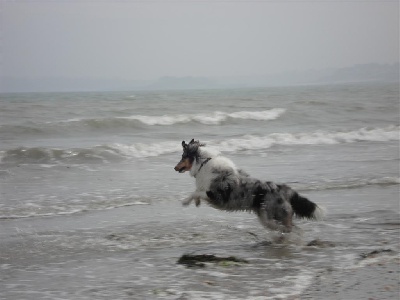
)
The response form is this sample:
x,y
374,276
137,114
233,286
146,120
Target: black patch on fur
x,y
302,207
259,193
222,185
222,195
210,195
225,193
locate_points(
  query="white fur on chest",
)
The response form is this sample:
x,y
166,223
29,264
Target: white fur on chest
x,y
206,174
204,178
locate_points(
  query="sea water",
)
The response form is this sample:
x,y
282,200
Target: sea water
x,y
90,203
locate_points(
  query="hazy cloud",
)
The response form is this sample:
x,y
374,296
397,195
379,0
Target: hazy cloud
x,y
150,39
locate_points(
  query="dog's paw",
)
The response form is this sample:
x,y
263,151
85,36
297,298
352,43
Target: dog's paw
x,y
187,201
197,201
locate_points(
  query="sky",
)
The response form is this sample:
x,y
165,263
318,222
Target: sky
x,y
143,40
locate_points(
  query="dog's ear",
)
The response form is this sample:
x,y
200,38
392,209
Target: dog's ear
x,y
192,141
184,145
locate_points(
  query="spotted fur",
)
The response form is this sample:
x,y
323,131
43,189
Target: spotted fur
x,y
223,186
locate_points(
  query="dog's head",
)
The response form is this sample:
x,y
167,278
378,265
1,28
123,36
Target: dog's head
x,y
190,153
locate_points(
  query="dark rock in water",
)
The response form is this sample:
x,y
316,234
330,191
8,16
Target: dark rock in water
x,y
262,244
115,237
375,253
190,260
319,243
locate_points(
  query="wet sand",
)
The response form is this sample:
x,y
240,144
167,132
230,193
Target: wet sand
x,y
132,253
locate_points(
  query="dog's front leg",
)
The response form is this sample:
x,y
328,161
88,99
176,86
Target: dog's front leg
x,y
196,196
187,200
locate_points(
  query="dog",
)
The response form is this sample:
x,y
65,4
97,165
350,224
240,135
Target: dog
x,y
223,186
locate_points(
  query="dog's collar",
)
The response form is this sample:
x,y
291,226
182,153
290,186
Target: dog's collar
x,y
202,164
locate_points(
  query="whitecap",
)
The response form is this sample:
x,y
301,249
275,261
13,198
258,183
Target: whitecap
x,y
214,118
105,153
251,142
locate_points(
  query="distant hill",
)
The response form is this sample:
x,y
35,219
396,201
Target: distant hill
x,y
364,73
358,73
179,83
58,84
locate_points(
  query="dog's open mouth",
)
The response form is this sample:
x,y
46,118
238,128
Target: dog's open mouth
x,y
182,170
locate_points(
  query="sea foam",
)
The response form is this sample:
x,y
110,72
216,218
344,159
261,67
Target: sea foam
x,y
214,118
118,151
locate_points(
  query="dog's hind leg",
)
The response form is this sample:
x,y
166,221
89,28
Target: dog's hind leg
x,y
267,220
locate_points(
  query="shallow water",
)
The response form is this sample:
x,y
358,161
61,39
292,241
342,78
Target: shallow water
x,y
90,204
132,252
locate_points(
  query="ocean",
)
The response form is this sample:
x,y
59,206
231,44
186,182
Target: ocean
x,y
90,204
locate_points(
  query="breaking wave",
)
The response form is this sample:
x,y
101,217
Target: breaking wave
x,y
250,142
215,118
96,154
116,151
136,122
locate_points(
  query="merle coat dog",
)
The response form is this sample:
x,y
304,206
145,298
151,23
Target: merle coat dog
x,y
222,185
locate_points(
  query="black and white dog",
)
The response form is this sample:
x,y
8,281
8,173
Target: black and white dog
x,y
225,187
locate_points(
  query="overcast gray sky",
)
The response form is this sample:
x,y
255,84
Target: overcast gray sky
x,y
149,39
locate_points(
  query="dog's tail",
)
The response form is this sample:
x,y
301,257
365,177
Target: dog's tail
x,y
305,208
